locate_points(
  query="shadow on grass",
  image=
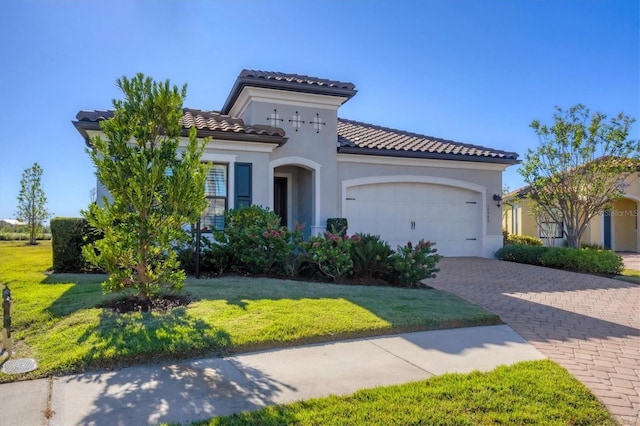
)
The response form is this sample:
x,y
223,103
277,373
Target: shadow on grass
x,y
85,292
125,339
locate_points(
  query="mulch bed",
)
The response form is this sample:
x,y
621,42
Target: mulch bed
x,y
156,304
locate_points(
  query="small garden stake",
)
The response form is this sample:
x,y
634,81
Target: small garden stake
x,y
6,332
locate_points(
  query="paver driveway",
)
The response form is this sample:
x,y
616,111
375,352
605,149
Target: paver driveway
x,y
589,325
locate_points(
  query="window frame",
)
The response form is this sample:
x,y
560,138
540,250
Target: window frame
x,y
210,198
559,234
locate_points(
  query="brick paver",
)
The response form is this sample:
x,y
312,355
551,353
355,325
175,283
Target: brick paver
x,y
590,325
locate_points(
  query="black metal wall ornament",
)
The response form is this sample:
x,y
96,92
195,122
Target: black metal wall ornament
x,y
317,123
274,118
296,121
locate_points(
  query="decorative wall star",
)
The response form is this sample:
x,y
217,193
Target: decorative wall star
x,y
317,123
296,121
274,118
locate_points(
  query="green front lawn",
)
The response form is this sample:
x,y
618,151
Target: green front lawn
x,y
528,393
57,322
56,319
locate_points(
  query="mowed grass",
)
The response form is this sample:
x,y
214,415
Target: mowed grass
x,y
535,392
629,275
57,321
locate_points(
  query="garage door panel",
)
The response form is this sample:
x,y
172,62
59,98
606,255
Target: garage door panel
x,y
402,192
402,212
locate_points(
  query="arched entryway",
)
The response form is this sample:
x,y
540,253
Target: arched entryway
x,y
294,193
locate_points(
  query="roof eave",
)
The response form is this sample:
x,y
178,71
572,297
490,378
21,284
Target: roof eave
x,y
245,137
426,155
291,86
85,126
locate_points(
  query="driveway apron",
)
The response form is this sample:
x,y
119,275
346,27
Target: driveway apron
x,y
589,325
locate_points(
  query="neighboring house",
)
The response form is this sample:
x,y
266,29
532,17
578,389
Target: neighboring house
x,y
278,142
11,222
616,229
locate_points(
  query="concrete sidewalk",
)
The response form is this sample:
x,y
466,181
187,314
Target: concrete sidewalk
x,y
200,389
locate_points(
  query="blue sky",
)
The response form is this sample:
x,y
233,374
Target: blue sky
x,y
473,71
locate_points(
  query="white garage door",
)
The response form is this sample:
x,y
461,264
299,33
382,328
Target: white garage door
x,y
402,212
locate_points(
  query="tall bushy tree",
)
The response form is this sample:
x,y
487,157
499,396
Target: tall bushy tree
x,y
157,185
579,167
32,201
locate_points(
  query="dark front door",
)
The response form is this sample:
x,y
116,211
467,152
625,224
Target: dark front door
x,y
607,230
280,199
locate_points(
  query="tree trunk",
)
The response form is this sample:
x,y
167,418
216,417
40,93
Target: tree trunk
x,y
32,235
143,290
573,239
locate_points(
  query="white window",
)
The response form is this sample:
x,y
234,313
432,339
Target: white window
x,y
216,192
551,230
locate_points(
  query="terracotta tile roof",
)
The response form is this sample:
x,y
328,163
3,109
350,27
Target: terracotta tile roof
x,y
290,82
216,122
361,138
296,78
201,120
94,115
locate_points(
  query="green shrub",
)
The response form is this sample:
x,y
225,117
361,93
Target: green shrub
x,y
583,260
186,252
593,246
578,260
328,254
524,240
371,257
254,242
69,235
521,253
337,226
217,258
412,264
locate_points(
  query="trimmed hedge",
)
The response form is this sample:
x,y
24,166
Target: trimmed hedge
x,y
578,260
69,234
524,240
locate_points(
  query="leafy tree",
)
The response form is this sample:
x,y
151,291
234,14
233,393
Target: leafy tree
x,y
157,183
580,167
32,201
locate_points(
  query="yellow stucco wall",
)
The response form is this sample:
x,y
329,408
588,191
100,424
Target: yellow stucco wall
x,y
625,235
593,235
624,225
518,215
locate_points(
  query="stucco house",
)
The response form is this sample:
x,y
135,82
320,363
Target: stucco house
x,y
278,142
615,229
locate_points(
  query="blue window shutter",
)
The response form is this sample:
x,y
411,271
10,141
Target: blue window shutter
x,y
242,184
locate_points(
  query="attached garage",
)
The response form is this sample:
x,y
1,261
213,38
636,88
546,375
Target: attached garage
x,y
403,210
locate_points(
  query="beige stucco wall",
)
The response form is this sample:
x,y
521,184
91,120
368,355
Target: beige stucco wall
x,y
307,143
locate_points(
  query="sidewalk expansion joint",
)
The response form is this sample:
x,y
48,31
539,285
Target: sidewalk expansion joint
x,y
48,411
401,358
